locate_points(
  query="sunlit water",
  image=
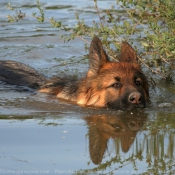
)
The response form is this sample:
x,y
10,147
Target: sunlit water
x,y
40,134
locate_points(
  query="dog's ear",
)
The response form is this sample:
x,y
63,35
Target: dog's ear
x,y
128,54
97,56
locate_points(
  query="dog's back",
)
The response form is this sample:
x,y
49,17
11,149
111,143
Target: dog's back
x,y
20,74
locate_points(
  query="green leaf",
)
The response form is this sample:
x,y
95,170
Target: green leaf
x,y
145,44
173,52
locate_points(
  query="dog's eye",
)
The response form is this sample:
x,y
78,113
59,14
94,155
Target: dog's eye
x,y
138,82
117,85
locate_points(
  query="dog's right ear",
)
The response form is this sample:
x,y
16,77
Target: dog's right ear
x,y
97,56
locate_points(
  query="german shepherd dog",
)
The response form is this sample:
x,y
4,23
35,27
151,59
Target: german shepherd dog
x,y
117,85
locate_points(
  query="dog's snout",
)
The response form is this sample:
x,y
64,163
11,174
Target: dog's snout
x,y
135,98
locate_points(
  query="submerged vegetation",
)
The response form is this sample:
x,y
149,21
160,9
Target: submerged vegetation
x,y
149,24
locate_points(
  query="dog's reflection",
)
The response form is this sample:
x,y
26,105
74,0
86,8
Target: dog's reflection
x,y
104,127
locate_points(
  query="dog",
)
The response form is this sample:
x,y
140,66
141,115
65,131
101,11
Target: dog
x,y
109,84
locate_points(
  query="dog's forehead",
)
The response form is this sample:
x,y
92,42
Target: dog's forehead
x,y
121,69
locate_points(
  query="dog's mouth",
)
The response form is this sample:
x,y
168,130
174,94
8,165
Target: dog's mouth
x,y
126,106
130,107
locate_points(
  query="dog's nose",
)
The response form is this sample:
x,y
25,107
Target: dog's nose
x,y
135,98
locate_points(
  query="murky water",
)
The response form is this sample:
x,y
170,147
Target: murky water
x,y
40,134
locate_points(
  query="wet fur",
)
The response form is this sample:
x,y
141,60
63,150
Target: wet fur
x,y
106,84
96,88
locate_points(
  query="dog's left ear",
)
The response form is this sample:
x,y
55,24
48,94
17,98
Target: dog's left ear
x,y
128,54
97,56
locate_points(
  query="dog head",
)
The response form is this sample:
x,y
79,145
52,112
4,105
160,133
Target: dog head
x,y
118,85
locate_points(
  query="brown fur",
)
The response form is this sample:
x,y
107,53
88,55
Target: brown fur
x,y
119,85
107,84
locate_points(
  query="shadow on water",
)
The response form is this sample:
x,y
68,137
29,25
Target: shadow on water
x,y
121,128
149,142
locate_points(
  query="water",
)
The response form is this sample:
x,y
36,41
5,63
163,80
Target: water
x,y
40,134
